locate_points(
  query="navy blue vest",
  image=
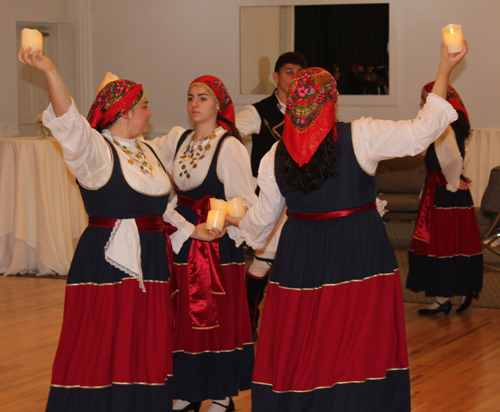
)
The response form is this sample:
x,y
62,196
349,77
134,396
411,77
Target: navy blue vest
x,y
117,200
349,187
271,130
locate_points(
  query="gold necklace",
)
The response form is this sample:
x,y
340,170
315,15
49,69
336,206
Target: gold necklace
x,y
194,152
138,159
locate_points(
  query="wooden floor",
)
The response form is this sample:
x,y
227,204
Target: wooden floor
x,y
454,361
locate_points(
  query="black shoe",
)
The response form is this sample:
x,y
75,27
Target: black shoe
x,y
255,334
474,294
229,408
443,307
193,406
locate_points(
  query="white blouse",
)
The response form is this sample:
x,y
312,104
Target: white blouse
x,y
233,165
450,159
373,141
90,160
248,121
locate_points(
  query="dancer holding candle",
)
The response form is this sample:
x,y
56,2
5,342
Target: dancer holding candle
x,y
115,349
332,336
213,349
446,255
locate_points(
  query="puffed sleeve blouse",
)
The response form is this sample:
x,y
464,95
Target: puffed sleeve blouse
x,y
233,166
373,141
90,160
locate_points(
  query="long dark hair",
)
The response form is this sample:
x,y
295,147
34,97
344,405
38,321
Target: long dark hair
x,y
463,124
234,130
319,168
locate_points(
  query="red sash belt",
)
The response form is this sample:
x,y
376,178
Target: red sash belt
x,y
203,271
426,206
146,224
185,201
330,215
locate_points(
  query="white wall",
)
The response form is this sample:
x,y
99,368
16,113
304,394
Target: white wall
x,y
165,44
260,39
47,11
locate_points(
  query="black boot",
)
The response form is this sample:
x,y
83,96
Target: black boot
x,y
255,294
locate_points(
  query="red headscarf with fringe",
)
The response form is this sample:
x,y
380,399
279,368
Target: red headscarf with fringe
x,y
115,99
310,113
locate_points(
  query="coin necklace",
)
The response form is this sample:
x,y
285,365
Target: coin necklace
x,y
194,152
139,159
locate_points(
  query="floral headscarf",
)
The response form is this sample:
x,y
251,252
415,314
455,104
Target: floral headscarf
x,y
115,99
218,91
453,98
310,112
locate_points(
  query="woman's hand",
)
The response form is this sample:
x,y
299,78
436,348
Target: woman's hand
x,y
233,221
35,60
446,65
464,182
59,95
450,60
202,233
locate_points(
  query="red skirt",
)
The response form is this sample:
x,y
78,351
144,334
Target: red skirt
x,y
217,362
314,339
451,264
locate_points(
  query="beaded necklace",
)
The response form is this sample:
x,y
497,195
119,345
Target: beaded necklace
x,y
138,159
194,153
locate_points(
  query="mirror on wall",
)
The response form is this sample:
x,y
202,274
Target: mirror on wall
x,y
351,41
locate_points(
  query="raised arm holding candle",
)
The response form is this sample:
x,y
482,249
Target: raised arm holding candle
x,y
334,255
213,351
123,261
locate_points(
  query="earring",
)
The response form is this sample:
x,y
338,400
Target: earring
x,y
128,125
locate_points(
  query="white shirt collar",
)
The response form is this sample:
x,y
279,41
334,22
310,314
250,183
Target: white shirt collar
x,y
281,106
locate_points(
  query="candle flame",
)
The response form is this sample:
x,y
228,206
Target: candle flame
x,y
451,30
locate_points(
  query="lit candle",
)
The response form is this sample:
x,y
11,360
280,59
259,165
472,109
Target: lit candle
x,y
33,39
216,218
235,207
109,77
217,204
452,36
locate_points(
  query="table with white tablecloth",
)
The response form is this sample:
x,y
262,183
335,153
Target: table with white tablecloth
x,y
5,130
483,154
41,212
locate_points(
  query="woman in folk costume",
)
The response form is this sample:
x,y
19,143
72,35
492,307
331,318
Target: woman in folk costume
x,y
115,349
213,346
445,256
332,335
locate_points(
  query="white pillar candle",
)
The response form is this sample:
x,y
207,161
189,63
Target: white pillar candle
x,y
452,36
216,218
108,78
217,204
235,207
33,39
